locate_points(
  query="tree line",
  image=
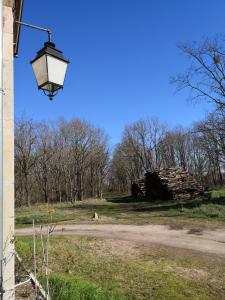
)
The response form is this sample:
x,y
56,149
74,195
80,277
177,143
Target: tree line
x,y
59,161
149,144
71,160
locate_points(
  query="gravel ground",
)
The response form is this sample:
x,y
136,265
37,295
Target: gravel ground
x,y
204,240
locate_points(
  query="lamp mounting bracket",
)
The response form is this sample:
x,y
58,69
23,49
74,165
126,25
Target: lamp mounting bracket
x,y
37,28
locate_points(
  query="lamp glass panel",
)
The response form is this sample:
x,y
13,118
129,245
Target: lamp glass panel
x,y
40,70
56,70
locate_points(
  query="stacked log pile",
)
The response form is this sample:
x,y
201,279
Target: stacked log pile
x,y
138,188
171,183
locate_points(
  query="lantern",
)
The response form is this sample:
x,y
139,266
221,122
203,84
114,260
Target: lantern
x,y
49,68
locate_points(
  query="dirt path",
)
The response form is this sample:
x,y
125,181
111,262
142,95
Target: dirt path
x,y
208,241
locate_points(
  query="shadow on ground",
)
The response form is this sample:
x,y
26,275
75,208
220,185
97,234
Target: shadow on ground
x,y
121,204
142,205
124,199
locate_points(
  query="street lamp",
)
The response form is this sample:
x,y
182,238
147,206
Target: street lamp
x,y
49,65
49,68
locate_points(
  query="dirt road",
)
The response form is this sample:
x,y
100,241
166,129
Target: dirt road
x,y
208,241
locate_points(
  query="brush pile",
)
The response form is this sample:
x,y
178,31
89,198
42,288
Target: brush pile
x,y
166,184
138,188
171,183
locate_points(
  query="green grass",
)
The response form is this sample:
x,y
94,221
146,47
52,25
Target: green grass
x,y
125,270
215,194
207,211
64,287
123,209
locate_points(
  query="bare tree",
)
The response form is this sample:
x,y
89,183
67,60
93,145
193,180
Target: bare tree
x,y
138,152
25,158
205,77
43,154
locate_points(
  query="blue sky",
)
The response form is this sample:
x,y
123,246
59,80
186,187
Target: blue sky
x,y
122,54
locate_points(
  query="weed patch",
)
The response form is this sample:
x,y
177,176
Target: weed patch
x,y
76,288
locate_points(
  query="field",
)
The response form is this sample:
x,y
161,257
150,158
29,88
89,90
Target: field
x,y
98,268
123,209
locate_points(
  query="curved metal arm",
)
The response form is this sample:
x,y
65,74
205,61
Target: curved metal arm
x,y
38,28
